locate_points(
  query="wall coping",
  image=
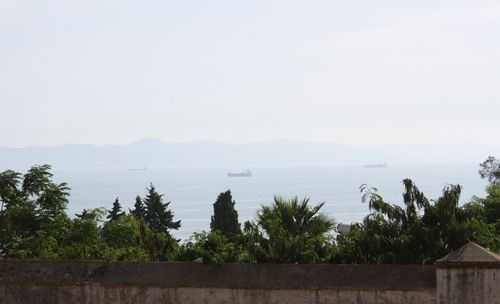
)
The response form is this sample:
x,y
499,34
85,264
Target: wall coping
x,y
232,275
485,265
470,255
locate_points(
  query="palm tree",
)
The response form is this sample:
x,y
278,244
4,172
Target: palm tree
x,y
292,231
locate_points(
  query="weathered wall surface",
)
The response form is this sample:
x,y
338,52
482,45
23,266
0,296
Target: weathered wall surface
x,y
468,284
128,295
101,282
468,275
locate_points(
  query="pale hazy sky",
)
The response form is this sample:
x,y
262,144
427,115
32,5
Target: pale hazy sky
x,y
353,72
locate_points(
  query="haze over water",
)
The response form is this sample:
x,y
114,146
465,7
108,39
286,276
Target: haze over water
x,y
192,191
357,73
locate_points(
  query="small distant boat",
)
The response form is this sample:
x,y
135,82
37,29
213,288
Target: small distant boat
x,y
375,166
138,169
247,173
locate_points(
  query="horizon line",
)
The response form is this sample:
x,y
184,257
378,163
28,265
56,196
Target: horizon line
x,y
158,140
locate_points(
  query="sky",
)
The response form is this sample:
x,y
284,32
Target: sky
x,y
357,72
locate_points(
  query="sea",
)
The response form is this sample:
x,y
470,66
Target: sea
x,y
192,191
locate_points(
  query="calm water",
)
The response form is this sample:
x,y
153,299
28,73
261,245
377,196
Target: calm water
x,y
192,191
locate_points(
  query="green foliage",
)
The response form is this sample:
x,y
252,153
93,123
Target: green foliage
x,y
418,233
39,245
116,211
157,214
162,246
486,217
32,209
36,180
225,218
122,232
124,239
139,209
213,248
289,231
84,241
490,169
491,204
34,225
9,184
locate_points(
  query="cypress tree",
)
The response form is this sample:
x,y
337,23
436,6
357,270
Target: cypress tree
x,y
225,218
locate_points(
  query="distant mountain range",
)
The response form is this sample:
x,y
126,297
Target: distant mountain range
x,y
156,153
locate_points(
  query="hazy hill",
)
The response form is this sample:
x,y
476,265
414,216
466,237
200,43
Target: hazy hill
x,y
156,153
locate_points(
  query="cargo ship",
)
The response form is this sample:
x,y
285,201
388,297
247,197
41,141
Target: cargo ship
x,y
247,173
384,165
138,169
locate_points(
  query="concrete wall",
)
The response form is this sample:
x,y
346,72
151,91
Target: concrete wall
x,y
468,275
101,282
125,295
468,284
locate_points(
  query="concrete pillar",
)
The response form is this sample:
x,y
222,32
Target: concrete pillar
x,y
469,275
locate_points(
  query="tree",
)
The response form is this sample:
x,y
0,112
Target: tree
x,y
116,211
37,187
84,241
418,233
9,192
123,237
225,218
490,169
139,210
157,214
33,207
491,204
289,231
155,222
36,180
213,248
